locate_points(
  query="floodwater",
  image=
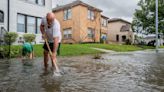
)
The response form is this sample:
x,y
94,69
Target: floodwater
x,y
115,72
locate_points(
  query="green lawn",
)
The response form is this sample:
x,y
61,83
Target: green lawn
x,y
79,49
119,48
69,50
66,50
161,46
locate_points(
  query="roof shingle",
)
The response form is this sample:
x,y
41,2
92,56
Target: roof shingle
x,y
74,3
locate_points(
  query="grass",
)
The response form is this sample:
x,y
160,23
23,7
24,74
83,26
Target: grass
x,y
80,49
119,48
161,46
68,50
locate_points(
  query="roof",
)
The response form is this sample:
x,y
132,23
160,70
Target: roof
x,y
104,16
118,19
74,3
125,28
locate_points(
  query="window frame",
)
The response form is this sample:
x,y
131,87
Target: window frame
x,y
19,23
104,22
36,2
92,35
66,14
36,27
91,15
3,16
68,35
31,25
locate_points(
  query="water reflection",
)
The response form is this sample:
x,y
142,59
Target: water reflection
x,y
132,72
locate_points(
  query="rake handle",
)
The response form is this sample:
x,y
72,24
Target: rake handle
x,y
50,52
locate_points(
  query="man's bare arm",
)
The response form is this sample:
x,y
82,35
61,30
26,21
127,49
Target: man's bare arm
x,y
56,41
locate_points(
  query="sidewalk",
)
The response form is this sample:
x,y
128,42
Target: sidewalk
x,y
114,52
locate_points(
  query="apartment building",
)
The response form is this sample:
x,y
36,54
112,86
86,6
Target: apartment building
x,y
119,31
80,22
23,16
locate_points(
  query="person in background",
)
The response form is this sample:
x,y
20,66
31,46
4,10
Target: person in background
x,y
27,50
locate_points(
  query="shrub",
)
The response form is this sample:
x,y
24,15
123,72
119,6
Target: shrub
x,y
29,37
10,37
128,42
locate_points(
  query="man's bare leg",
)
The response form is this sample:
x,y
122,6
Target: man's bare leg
x,y
52,61
46,59
31,56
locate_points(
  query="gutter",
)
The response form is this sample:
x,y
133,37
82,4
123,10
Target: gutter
x,y
8,15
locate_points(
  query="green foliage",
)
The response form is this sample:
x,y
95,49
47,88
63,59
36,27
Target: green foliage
x,y
128,42
119,48
76,49
29,37
144,17
10,37
15,51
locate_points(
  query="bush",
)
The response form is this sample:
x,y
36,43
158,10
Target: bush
x,y
10,37
128,42
29,37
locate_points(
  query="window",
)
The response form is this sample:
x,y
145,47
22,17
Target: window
x,y
41,2
123,38
67,33
90,33
28,24
104,22
38,25
1,16
20,23
117,38
90,14
32,1
67,14
31,24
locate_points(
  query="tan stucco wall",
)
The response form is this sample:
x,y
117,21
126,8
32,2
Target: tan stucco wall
x,y
79,24
114,29
85,23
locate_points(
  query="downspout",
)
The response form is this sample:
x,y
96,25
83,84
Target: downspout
x,y
100,29
8,15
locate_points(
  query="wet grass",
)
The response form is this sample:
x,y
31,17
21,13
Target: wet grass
x,y
66,50
119,48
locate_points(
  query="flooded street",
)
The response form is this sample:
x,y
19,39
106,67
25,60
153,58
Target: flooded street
x,y
140,71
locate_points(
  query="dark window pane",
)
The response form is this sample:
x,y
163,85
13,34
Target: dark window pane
x,y
1,16
67,14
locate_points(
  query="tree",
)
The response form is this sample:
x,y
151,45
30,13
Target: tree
x,y
10,37
144,17
29,37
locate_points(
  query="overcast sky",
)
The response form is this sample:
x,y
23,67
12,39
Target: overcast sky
x,y
111,8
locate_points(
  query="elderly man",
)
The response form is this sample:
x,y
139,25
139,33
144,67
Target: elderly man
x,y
51,27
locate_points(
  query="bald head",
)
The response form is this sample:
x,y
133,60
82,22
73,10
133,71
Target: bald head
x,y
50,18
